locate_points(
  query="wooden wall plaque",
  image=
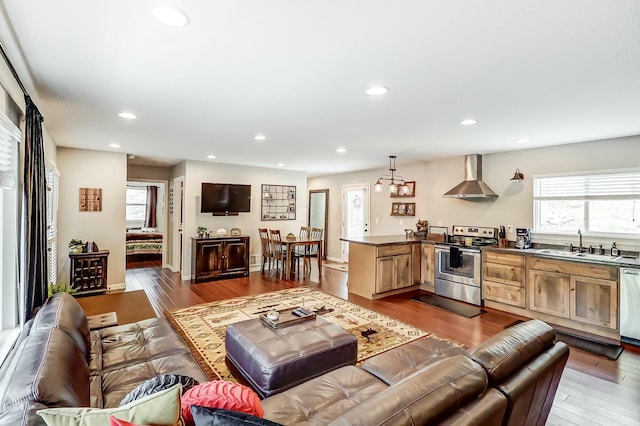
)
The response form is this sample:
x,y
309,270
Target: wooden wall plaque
x,y
90,199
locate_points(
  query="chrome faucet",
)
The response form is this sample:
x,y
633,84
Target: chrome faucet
x,y
580,249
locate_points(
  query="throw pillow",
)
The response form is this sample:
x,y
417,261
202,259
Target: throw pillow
x,y
221,394
205,416
158,383
160,408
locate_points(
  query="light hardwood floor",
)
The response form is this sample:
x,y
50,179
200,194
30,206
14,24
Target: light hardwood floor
x,y
593,390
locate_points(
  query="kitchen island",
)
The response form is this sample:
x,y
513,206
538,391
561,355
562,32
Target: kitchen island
x,y
385,265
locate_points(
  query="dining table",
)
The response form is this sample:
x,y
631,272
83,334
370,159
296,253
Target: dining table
x,y
290,243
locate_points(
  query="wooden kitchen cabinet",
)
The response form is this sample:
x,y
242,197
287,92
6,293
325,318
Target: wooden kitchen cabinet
x,y
381,269
548,292
503,278
594,301
583,292
219,258
393,272
427,266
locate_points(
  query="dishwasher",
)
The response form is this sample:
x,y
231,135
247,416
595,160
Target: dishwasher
x,y
630,305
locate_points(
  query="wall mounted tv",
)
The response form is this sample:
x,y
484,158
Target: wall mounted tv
x,y
225,199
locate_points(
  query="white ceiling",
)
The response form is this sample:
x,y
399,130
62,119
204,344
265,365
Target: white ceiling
x,y
552,71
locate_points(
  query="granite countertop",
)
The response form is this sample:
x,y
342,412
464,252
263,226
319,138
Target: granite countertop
x,y
382,240
564,254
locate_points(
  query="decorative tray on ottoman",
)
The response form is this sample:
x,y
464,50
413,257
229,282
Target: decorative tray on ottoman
x,y
287,317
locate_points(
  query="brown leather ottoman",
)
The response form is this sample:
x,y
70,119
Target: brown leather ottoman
x,y
274,360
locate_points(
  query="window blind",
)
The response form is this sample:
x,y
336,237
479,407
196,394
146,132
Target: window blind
x,y
9,135
596,186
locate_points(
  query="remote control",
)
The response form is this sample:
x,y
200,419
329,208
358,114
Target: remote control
x,y
303,312
297,313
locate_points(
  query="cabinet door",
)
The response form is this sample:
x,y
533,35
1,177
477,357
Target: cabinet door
x,y
385,274
548,292
594,301
210,259
402,265
235,257
427,265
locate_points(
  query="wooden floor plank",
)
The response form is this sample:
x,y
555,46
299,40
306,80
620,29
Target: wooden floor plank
x,y
591,389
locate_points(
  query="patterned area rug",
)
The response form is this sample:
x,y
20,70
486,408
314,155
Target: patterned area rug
x,y
203,326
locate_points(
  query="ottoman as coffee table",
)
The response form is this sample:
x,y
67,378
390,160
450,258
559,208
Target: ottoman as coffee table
x,y
274,360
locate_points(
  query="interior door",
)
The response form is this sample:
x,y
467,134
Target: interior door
x,y
355,214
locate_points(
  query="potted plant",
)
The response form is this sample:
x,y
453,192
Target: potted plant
x,y
201,230
75,245
54,288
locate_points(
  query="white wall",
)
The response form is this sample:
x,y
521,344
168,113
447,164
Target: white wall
x,y
92,169
514,206
197,172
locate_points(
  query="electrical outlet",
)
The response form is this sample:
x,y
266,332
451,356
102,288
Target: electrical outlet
x,y
376,220
401,222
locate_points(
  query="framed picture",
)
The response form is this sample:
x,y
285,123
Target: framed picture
x,y
403,209
411,209
410,192
394,208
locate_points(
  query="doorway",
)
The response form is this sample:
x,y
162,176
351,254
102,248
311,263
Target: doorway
x,y
355,214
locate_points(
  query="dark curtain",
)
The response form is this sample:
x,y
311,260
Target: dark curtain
x,y
152,201
35,197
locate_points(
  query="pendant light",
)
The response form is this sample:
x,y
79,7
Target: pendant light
x,y
397,185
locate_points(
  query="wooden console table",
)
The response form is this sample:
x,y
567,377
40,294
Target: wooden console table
x,y
88,272
219,258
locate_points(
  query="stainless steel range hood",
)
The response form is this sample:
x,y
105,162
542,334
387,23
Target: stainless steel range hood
x,y
472,186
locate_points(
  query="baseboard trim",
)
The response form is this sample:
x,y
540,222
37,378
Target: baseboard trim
x,y
121,286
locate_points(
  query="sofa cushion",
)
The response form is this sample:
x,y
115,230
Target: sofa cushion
x,y
205,416
47,367
221,394
426,397
504,353
323,399
158,383
394,365
124,356
160,408
22,413
64,312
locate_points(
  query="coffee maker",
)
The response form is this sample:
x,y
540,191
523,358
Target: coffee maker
x,y
523,238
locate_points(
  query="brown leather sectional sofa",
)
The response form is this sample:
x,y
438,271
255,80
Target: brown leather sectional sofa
x,y
58,362
510,379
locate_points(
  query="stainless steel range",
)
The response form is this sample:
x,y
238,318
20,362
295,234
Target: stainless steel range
x,y
458,263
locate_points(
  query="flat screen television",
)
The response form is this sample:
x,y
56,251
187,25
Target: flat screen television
x,y
225,198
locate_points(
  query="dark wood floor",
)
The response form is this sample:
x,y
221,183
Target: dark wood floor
x,y
593,390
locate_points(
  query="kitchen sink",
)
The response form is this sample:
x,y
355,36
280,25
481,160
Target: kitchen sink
x,y
587,256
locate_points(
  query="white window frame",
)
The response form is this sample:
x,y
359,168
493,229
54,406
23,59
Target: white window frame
x,y
10,300
52,178
598,193
136,187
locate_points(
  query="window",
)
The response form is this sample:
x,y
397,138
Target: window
x,y
9,206
601,203
136,205
52,178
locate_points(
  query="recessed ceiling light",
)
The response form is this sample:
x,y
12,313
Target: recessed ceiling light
x,y
280,164
522,140
114,145
468,121
260,137
127,115
211,156
332,170
341,150
376,90
170,16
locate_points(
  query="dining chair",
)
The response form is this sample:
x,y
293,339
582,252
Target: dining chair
x,y
301,251
267,252
312,250
278,250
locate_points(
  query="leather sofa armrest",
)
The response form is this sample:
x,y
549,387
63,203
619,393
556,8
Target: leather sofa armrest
x,y
507,351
